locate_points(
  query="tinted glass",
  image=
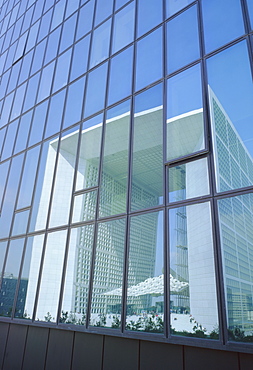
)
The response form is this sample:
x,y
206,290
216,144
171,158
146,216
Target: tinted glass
x,y
185,124
123,31
193,299
173,6
145,292
100,43
231,109
147,166
85,206
217,13
182,40
74,103
150,13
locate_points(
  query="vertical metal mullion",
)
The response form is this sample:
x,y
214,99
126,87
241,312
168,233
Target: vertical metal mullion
x,y
166,264
129,183
220,283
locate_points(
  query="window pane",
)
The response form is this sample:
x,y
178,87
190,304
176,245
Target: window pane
x,y
54,117
20,222
61,71
74,103
23,131
231,109
51,277
63,182
100,43
80,58
10,278
10,195
85,19
193,299
52,45
9,140
216,14
149,59
3,246
123,31
188,180
108,274
120,70
103,10
235,222
145,292
95,94
150,13
46,82
185,124
182,40
85,206
147,167
115,161
88,164
173,6
77,278
38,123
68,32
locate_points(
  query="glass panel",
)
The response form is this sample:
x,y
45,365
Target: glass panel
x,y
193,297
10,277
61,71
46,82
26,64
235,222
250,9
6,109
103,10
95,92
88,164
38,57
9,140
23,131
4,168
68,32
145,292
51,277
85,19
28,178
52,45
74,103
120,70
80,58
149,59
147,167
54,118
10,195
120,3
63,182
18,101
217,14
43,182
45,24
77,278
188,180
123,30
29,277
150,13
173,6
38,123
185,123
31,92
108,275
85,206
3,246
100,43
113,187
182,40
58,13
20,223
230,97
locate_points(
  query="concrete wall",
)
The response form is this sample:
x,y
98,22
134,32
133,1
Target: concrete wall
x,y
29,348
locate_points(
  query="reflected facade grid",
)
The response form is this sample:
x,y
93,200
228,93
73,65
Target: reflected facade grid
x,y
126,167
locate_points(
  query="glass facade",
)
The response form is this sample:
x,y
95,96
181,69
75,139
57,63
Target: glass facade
x,y
126,167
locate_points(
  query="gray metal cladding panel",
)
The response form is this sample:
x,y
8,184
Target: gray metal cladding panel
x,y
14,353
246,361
36,347
4,327
200,358
160,356
121,354
87,351
59,351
